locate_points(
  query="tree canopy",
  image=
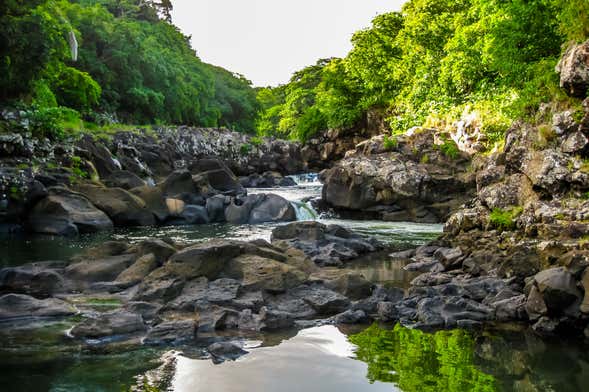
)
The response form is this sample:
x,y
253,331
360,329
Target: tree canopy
x,y
133,64
430,63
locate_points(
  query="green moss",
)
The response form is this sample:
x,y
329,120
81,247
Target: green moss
x,y
504,219
390,142
245,149
105,302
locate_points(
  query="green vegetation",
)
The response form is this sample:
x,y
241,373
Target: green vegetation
x,y
419,361
133,66
449,148
390,142
433,63
504,219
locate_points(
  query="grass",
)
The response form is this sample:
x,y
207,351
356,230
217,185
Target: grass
x,y
390,142
504,219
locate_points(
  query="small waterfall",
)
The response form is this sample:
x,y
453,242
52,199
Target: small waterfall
x,y
306,179
304,211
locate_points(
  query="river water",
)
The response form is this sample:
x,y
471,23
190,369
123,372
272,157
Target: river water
x,y
326,358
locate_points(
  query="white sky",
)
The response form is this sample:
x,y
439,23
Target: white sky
x,y
267,40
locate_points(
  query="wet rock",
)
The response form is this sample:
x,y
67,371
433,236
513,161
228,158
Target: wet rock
x,y
510,309
574,70
272,208
64,212
147,310
212,317
194,214
171,332
535,305
109,324
225,351
161,250
123,179
159,287
122,207
34,279
219,176
216,208
449,258
20,306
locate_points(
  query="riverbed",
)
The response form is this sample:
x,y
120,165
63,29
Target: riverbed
x,y
318,358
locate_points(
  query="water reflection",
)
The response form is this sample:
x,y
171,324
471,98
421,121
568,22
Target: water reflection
x,y
458,360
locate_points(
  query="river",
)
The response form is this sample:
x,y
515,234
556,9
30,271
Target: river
x,y
324,358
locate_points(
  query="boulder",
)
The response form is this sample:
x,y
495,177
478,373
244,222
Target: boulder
x,y
34,279
122,207
108,324
102,270
20,306
123,179
323,300
64,212
558,288
206,259
135,273
171,332
351,317
216,208
259,273
99,155
272,208
225,351
574,70
194,214
219,176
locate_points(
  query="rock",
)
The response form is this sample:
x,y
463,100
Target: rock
x,y
321,299
273,319
159,286
225,351
20,306
259,273
33,279
449,258
99,155
123,179
574,70
159,248
171,332
137,271
510,309
272,208
122,207
194,214
585,285
216,208
240,208
206,259
64,212
558,288
109,324
535,305
102,270
350,284
351,317
325,245
148,311
574,143
219,176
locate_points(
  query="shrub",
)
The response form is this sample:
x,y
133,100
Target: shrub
x,y
390,142
504,219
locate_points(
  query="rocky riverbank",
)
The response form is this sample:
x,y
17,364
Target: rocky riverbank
x,y
160,292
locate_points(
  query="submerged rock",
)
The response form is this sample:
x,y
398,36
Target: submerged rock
x,y
20,306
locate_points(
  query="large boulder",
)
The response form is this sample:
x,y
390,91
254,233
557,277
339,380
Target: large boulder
x,y
123,208
574,70
108,324
219,176
259,273
64,212
260,208
20,306
206,259
123,179
33,279
99,155
558,288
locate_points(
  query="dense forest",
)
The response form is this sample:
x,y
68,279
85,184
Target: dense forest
x,y
432,63
132,66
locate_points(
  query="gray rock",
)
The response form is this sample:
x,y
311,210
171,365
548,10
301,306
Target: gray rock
x,y
225,351
558,288
109,324
64,212
194,214
171,332
574,70
32,279
351,317
322,300
20,306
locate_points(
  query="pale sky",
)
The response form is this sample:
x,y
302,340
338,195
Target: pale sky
x,y
267,40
